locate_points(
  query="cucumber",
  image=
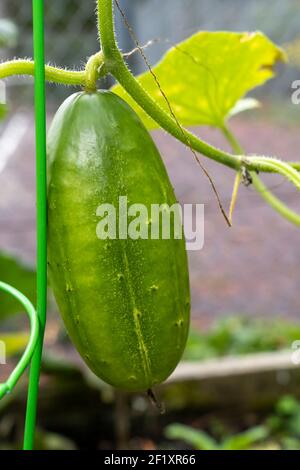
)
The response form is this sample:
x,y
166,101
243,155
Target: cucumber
x,y
125,302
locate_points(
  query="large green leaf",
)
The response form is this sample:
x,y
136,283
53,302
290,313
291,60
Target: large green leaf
x,y
207,75
19,276
197,439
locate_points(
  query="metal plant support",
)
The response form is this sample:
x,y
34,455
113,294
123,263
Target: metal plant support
x,y
33,352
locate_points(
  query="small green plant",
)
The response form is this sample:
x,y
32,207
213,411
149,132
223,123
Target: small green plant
x,y
284,423
200,440
280,430
238,335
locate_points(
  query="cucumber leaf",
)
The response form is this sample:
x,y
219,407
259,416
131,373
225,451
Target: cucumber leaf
x,y
206,76
19,276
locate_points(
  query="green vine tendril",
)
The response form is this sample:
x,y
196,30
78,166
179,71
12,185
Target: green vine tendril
x,y
53,74
260,187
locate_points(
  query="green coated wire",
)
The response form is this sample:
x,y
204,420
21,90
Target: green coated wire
x,y
8,386
41,180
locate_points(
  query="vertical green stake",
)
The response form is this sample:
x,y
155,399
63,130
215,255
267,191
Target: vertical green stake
x,y
41,179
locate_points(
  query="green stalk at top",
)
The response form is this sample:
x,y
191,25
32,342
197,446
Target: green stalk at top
x,y
116,65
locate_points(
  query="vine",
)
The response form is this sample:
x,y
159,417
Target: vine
x,y
110,60
260,187
53,74
93,70
186,138
117,66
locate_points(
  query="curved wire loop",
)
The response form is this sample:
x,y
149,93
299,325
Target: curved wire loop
x,y
14,377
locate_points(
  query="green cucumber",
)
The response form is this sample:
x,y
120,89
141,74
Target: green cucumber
x,y
125,302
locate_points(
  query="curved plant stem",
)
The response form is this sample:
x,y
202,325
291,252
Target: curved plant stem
x,y
280,167
232,140
106,32
53,74
116,65
266,194
92,71
274,202
115,61
27,355
295,165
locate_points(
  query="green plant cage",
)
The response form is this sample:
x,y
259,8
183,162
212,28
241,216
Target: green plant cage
x,y
33,352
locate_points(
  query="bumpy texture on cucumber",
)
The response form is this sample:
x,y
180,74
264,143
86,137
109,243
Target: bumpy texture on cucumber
x,y
125,303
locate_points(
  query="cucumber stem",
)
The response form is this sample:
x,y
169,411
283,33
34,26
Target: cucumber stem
x,y
93,70
53,74
260,187
152,397
116,65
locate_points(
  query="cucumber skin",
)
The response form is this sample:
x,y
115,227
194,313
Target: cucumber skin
x,y
125,303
